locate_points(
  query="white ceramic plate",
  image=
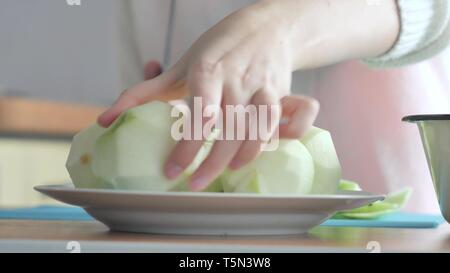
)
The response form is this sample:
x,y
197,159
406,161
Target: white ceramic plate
x,y
207,213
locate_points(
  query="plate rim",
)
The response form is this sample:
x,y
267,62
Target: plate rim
x,y
347,195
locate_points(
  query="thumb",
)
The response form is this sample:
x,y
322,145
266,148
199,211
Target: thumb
x,y
163,87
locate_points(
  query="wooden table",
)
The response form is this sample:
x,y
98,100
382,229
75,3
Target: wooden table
x,y
54,236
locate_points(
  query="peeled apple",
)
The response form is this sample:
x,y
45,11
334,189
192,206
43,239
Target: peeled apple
x,y
130,154
347,185
79,162
288,169
326,163
307,166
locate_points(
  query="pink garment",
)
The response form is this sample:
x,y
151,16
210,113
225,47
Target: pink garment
x,y
363,108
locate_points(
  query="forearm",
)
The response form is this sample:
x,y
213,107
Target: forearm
x,y
323,32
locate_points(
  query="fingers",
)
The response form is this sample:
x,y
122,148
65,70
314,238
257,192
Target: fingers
x,y
225,147
136,95
218,159
181,157
301,112
205,86
251,147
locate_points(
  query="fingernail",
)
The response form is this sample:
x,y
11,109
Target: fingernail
x,y
198,183
173,170
235,164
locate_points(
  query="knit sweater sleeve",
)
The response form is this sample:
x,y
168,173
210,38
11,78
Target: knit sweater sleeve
x,y
425,31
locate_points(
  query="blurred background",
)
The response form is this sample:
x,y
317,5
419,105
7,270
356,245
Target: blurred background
x,y
62,64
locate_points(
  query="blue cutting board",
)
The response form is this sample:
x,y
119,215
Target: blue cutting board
x,y
393,220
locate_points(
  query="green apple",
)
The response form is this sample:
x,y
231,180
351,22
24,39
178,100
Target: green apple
x,y
347,185
79,161
326,163
216,185
288,169
131,153
251,185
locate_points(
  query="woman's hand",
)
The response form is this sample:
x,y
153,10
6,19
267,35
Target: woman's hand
x,y
248,58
